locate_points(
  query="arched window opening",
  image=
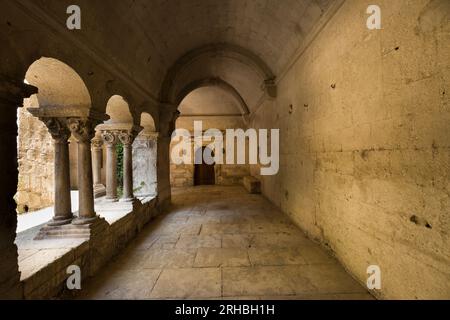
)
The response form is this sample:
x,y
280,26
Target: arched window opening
x,y
58,86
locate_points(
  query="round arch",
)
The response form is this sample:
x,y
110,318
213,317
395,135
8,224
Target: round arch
x,y
58,84
214,51
118,110
216,82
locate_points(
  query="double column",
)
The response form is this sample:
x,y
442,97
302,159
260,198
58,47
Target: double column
x,y
111,138
60,133
111,165
61,124
84,131
127,138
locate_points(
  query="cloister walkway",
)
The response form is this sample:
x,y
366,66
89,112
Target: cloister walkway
x,y
221,243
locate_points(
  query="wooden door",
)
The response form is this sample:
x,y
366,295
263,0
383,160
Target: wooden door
x,y
204,174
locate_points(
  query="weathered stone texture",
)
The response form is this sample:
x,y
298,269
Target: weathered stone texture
x,y
36,168
365,158
144,166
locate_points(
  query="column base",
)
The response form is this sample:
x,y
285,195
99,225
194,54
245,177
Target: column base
x,y
111,199
84,221
66,231
57,221
127,199
99,190
80,228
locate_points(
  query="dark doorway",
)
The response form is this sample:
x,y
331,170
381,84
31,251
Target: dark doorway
x,y
203,173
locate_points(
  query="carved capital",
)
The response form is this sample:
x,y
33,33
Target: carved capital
x,y
82,129
97,143
126,137
109,137
57,128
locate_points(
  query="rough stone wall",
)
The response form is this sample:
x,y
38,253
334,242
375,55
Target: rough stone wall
x,y
144,166
183,175
365,158
35,156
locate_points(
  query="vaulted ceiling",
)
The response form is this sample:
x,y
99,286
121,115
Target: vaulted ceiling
x,y
167,45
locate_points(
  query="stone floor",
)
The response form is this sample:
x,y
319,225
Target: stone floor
x,y
222,243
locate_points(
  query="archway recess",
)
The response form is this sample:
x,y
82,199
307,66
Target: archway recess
x,y
61,91
225,65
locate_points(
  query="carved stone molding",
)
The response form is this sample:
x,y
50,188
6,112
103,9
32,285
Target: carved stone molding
x,y
97,143
57,128
126,137
145,140
109,137
82,129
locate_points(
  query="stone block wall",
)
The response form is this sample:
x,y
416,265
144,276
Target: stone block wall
x,y
182,175
364,118
226,174
35,157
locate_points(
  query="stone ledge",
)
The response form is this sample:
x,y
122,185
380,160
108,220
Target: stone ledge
x,y
43,263
252,184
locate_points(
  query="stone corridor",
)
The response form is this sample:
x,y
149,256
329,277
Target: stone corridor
x,y
336,111
228,245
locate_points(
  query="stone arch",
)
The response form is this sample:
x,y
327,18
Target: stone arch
x,y
220,50
147,122
218,82
59,86
118,110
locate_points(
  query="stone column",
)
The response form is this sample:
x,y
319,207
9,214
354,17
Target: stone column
x,y
84,130
111,165
97,161
168,117
97,152
63,205
127,138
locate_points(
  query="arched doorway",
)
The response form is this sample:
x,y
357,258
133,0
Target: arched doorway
x,y
204,174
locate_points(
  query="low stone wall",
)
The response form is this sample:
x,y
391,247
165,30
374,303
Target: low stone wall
x,y
49,279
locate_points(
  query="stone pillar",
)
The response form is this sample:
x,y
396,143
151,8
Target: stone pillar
x,y
144,164
97,152
163,171
127,138
111,165
97,161
167,119
84,130
62,201
12,94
